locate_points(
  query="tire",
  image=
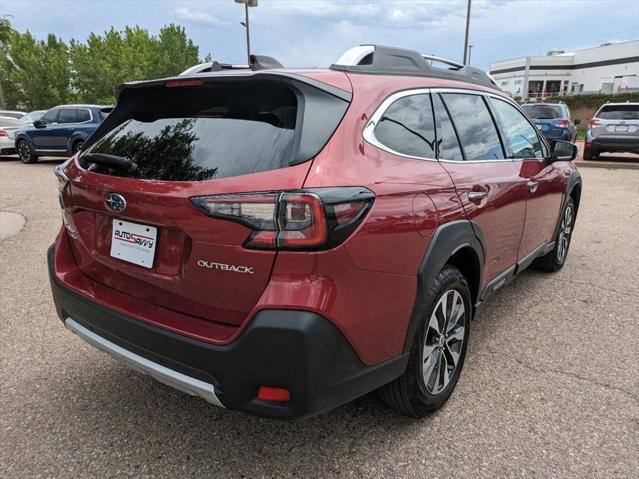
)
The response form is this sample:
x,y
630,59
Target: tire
x,y
423,387
554,260
25,152
76,146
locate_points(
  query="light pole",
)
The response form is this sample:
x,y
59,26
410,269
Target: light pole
x,y
245,23
470,51
467,28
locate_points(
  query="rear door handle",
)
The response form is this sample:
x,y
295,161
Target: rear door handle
x,y
477,195
532,185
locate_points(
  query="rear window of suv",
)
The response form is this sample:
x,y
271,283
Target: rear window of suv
x,y
619,112
214,131
543,112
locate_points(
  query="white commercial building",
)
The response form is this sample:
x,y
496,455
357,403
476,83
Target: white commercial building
x,y
609,68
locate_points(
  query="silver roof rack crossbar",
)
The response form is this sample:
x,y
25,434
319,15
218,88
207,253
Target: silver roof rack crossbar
x,y
383,60
446,61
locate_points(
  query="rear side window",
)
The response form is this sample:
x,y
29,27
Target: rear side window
x,y
521,136
543,112
448,146
83,115
67,115
407,127
475,126
619,112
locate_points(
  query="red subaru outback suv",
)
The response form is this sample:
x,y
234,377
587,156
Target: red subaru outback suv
x,y
283,241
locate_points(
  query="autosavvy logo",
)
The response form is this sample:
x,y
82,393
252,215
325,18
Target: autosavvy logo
x,y
144,241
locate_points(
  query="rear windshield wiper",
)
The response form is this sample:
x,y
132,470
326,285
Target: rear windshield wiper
x,y
119,162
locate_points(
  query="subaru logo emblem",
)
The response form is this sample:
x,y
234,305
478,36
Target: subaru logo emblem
x,y
115,202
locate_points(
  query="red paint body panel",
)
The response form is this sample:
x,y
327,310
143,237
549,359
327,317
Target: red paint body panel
x,y
366,286
185,236
542,205
500,215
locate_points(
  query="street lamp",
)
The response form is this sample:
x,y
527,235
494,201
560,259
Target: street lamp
x,y
470,50
467,29
245,23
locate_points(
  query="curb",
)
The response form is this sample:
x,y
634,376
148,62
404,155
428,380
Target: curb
x,y
607,165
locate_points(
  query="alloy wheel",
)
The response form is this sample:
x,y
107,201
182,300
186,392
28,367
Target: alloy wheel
x,y
565,228
24,151
443,342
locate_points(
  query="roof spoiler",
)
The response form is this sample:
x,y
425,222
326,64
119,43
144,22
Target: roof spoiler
x,y
383,60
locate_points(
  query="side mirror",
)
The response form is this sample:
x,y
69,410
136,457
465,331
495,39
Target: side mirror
x,y
577,122
564,151
40,123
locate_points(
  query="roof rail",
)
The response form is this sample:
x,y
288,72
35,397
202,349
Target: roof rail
x,y
383,60
258,62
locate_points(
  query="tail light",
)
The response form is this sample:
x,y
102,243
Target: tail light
x,y
63,181
593,122
3,133
311,219
563,123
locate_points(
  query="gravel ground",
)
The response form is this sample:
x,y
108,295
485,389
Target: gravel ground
x,y
550,386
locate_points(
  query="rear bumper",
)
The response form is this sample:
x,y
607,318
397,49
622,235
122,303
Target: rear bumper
x,y
297,350
7,150
612,143
563,134
7,146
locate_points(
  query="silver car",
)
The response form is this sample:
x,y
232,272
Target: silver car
x,y
8,127
615,127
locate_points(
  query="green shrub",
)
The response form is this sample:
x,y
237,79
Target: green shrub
x,y
592,100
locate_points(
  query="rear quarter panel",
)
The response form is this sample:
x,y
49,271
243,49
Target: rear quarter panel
x,y
367,286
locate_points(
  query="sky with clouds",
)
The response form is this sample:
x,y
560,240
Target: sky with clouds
x,y
316,32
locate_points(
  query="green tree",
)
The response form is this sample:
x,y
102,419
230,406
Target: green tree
x,y
128,55
36,74
5,34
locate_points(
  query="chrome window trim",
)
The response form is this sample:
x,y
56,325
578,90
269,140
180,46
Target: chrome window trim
x,y
369,129
369,135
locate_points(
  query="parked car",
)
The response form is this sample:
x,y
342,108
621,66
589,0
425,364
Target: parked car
x,y
282,241
8,127
33,116
553,120
614,128
61,131
12,114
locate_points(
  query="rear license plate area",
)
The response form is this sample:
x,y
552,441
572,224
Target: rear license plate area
x,y
133,242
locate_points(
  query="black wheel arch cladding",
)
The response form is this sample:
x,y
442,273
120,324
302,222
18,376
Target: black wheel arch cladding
x,y
448,239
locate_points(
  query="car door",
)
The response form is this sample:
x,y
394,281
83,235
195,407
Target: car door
x,y
486,181
541,182
67,121
42,137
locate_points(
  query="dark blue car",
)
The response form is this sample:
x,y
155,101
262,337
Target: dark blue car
x,y
553,120
60,132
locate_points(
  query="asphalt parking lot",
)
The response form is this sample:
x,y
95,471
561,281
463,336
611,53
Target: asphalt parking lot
x,y
550,386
